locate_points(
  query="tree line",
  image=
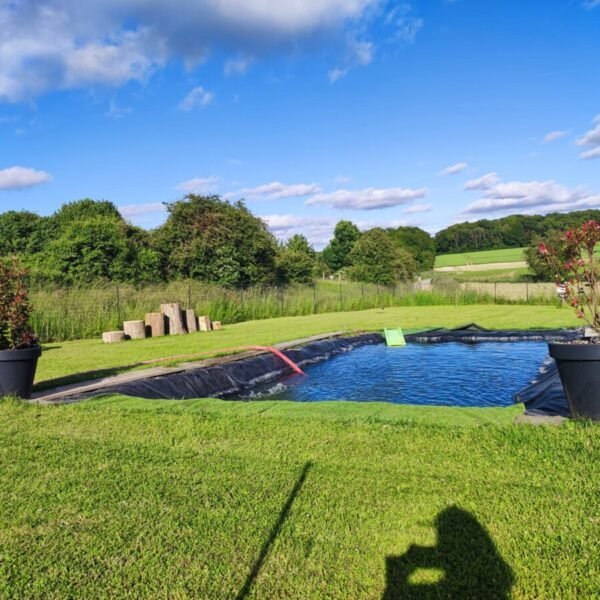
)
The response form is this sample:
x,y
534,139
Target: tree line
x,y
204,238
515,231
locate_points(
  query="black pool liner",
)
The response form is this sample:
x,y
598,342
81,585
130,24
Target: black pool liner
x,y
233,378
544,396
473,334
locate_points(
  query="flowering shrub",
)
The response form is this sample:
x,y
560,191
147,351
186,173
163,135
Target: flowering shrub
x,y
15,332
574,254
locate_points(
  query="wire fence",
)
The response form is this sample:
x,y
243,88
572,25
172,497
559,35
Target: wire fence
x,y
78,313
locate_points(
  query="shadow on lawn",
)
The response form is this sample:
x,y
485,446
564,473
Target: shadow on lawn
x,y
264,551
471,564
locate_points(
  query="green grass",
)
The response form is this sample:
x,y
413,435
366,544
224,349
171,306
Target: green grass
x,y
118,498
480,258
92,357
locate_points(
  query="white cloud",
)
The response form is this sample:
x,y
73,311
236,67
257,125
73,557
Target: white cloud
x,y
358,54
591,138
404,24
135,210
318,230
554,135
418,208
589,4
532,197
198,97
368,199
59,44
18,178
277,191
237,65
336,74
482,183
595,153
115,111
453,169
342,179
198,185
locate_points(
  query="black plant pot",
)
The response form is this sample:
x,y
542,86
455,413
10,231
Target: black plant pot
x,y
17,370
579,369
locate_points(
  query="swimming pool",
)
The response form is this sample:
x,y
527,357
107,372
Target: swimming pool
x,y
435,374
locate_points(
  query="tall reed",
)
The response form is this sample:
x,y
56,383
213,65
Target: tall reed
x,y
77,313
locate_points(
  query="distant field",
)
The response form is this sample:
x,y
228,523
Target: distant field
x,y
513,275
507,255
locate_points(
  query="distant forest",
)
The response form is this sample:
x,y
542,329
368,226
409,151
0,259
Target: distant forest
x,y
515,231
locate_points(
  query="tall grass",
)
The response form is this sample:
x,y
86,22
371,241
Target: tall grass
x,y
77,313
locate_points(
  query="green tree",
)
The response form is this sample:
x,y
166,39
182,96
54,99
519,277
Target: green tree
x,y
20,233
376,259
337,253
210,239
416,241
296,261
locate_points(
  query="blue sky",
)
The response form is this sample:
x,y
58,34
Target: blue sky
x,y
382,112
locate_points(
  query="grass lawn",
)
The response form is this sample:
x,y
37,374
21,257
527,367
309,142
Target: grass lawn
x,y
120,497
480,258
67,359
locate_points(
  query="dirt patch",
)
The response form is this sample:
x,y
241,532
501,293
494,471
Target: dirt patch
x,y
486,267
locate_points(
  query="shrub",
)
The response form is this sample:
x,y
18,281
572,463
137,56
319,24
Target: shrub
x,y
15,331
574,255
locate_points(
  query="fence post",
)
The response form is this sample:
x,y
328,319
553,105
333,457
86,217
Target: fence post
x,y
281,300
527,291
495,292
362,291
341,300
314,299
119,316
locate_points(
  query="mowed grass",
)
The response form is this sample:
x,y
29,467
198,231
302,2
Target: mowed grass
x,y
125,498
480,258
87,358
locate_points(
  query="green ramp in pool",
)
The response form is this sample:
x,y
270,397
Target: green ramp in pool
x,y
394,337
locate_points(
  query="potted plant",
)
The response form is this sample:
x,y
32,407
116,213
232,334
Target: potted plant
x,y
19,348
577,268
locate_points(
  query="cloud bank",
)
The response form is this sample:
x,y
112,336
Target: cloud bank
x,y
367,199
530,197
63,44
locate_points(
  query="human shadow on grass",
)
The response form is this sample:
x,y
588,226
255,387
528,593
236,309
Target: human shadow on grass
x,y
266,547
465,553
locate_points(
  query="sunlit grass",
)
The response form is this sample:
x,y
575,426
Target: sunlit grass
x,y
120,498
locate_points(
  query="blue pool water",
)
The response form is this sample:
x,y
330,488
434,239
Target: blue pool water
x,y
448,374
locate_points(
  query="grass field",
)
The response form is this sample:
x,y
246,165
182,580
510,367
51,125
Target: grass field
x,y
92,357
120,498
480,258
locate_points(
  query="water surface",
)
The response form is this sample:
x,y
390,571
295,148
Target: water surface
x,y
446,374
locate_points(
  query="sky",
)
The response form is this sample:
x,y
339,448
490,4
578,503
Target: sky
x,y
384,112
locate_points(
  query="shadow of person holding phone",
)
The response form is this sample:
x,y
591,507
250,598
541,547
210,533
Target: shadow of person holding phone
x,y
466,557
